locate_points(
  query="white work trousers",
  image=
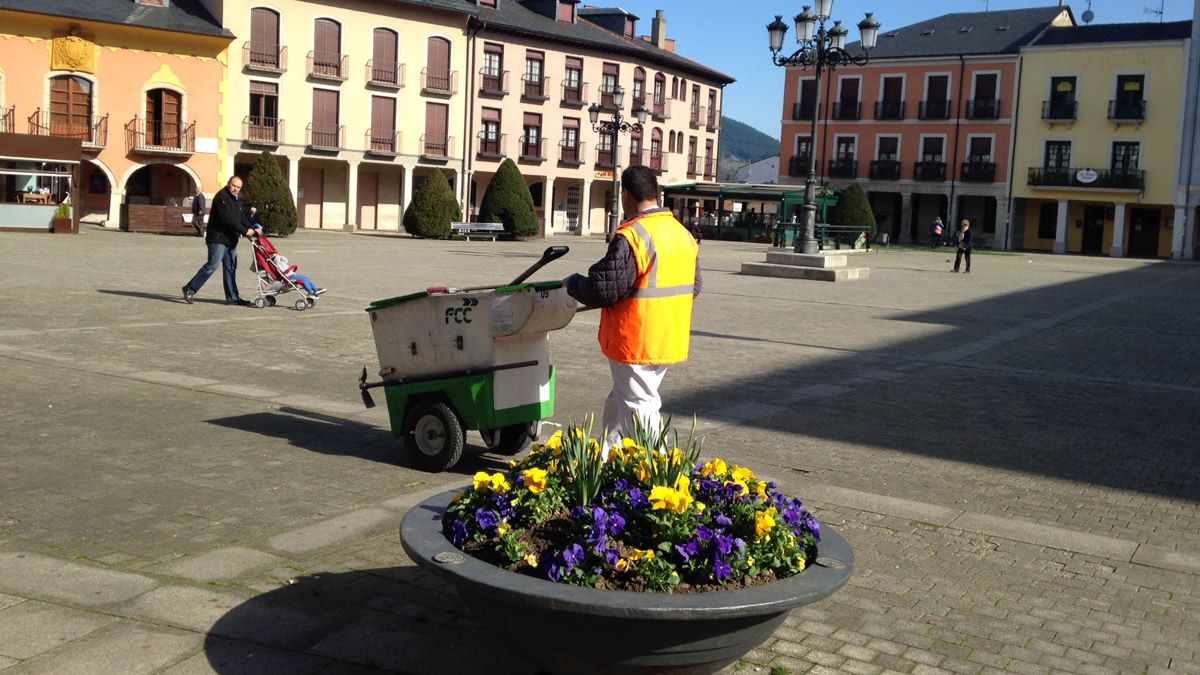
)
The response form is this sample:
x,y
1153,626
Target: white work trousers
x,y
634,392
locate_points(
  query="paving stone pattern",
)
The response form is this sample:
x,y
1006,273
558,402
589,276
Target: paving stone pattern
x,y
197,488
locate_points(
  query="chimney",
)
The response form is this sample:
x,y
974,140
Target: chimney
x,y
658,30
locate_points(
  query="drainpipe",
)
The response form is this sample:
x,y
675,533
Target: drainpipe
x,y
473,28
1189,149
951,215
1012,155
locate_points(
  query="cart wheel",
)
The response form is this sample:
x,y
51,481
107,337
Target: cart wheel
x,y
511,439
434,435
270,301
301,305
260,303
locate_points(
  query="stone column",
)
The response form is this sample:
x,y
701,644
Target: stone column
x,y
1118,242
293,179
548,207
406,191
585,208
115,198
1179,230
1002,224
905,218
352,197
1060,234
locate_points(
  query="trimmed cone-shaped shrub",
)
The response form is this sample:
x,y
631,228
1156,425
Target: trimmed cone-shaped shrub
x,y
507,200
853,209
267,190
432,209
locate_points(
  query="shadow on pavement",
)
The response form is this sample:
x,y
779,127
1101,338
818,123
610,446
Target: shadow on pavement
x,y
393,619
176,297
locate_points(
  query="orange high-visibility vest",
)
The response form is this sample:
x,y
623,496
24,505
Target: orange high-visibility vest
x,y
652,326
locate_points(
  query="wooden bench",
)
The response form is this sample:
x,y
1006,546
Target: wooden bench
x,y
468,230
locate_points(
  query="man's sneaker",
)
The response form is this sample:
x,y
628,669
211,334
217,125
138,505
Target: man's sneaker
x,y
318,291
239,303
188,295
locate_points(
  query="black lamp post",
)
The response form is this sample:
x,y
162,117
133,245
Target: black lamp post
x,y
615,126
826,49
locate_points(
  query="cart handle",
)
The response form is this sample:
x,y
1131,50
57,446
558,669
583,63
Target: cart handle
x,y
549,255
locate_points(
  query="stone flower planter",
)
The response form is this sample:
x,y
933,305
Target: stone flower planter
x,y
568,629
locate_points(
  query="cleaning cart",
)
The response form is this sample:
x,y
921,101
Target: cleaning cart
x,y
453,360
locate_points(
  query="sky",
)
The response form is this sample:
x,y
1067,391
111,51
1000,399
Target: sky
x,y
731,36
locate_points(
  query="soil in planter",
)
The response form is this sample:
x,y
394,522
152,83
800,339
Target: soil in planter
x,y
559,531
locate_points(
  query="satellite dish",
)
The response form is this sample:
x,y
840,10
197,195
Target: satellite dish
x,y
1088,15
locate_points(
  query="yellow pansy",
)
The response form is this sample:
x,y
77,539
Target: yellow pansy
x,y
531,559
641,554
666,499
742,474
499,483
717,467
764,521
682,483
482,481
761,488
534,479
503,528
622,565
643,471
554,443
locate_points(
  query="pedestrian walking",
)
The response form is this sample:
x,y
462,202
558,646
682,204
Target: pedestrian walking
x,y
935,232
198,204
964,245
228,223
644,286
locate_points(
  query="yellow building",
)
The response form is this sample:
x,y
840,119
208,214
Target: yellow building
x,y
1097,154
536,68
356,99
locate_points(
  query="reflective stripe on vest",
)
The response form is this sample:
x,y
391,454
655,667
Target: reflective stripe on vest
x,y
652,324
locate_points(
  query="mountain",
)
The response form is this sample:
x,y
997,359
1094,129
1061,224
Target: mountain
x,y
742,144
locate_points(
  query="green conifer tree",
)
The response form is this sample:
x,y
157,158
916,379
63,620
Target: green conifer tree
x,y
854,210
268,191
508,201
432,209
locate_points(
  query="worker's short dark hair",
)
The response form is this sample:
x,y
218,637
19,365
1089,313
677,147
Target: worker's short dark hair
x,y
640,183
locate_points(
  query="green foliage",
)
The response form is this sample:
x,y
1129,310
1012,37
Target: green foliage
x,y
63,212
582,462
267,190
507,200
853,209
432,209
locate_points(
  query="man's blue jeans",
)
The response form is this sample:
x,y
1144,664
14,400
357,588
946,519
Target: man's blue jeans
x,y
227,258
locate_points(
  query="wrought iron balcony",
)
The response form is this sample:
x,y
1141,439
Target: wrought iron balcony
x,y
885,169
572,93
385,74
91,131
1121,179
843,168
328,66
443,82
491,146
385,142
8,120
983,109
531,149
160,138
493,82
325,136
929,170
436,147
264,56
262,130
698,116
804,111
935,110
978,172
534,89
1059,110
607,94
798,166
710,168
1127,111
660,108
714,119
605,158
657,162
571,154
637,157
847,110
889,110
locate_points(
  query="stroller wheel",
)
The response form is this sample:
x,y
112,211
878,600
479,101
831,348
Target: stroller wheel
x,y
301,305
312,302
260,303
270,301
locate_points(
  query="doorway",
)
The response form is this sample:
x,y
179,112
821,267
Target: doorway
x,y
1093,230
573,197
311,197
1143,233
368,200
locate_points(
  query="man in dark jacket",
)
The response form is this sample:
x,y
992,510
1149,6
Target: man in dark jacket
x,y
644,286
227,223
964,245
198,204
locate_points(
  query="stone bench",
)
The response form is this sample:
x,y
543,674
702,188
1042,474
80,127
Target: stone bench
x,y
468,230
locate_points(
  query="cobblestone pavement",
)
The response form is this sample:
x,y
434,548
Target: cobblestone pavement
x,y
197,488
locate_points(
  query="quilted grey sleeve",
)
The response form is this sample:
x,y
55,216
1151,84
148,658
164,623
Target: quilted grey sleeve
x,y
609,279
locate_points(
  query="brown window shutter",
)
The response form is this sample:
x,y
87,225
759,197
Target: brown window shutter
x,y
384,49
383,116
264,88
438,57
612,69
264,27
985,86
532,120
574,63
566,11
436,121
490,115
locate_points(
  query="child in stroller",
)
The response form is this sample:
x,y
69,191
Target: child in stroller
x,y
276,276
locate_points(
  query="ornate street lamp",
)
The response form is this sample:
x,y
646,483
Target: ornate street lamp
x,y
617,125
819,49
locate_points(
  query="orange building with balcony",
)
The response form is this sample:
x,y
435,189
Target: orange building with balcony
x,y
926,125
137,82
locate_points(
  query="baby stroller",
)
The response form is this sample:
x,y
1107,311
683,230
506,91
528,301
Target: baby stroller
x,y
273,274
